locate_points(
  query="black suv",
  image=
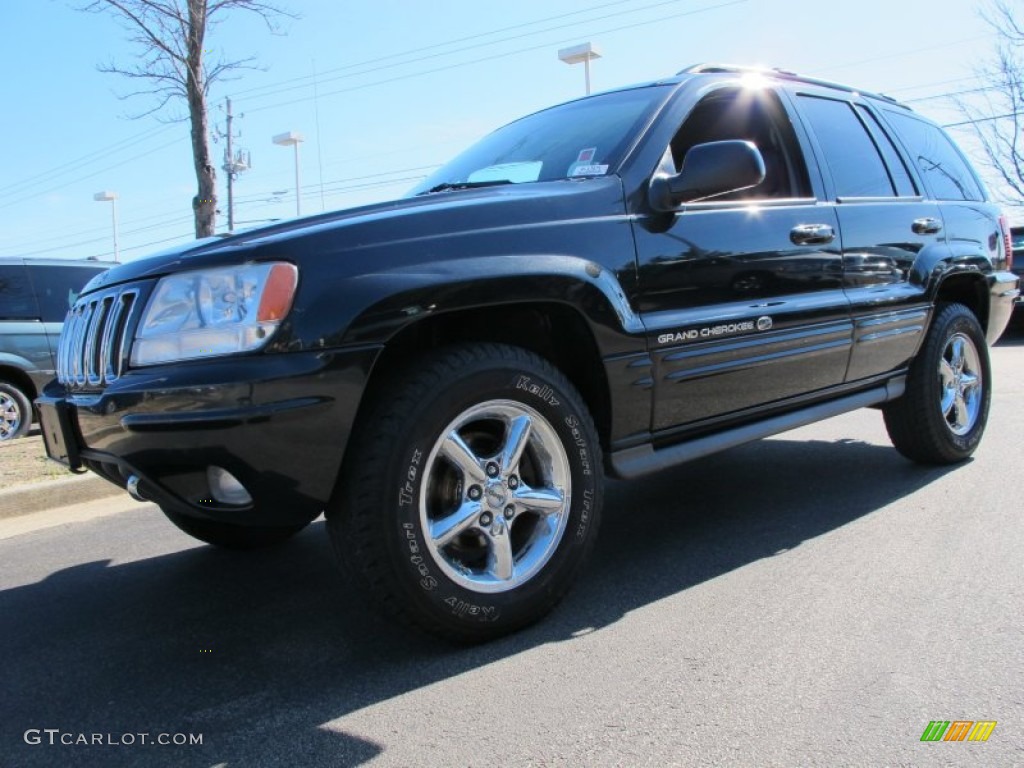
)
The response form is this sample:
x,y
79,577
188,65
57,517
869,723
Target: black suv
x,y
617,284
35,295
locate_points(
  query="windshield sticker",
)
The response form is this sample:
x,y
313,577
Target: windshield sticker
x,y
586,156
589,170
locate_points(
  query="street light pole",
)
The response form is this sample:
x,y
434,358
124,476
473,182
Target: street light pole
x,y
584,52
293,138
107,196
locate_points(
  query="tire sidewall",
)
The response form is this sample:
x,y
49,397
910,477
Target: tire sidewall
x,y
436,597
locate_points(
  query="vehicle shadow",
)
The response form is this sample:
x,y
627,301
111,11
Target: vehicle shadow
x,y
258,651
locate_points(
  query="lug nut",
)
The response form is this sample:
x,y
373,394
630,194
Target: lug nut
x,y
485,519
510,512
475,492
513,482
492,469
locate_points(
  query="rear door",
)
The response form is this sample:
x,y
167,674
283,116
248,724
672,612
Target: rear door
x,y
886,221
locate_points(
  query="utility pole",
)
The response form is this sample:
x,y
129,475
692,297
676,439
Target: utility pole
x,y
234,163
230,173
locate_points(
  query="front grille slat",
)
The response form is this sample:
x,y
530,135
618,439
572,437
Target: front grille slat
x,y
95,341
109,359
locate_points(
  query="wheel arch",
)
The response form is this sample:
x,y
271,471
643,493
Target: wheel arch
x,y
555,331
20,379
967,288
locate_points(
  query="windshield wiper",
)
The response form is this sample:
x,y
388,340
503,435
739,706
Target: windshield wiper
x,y
450,185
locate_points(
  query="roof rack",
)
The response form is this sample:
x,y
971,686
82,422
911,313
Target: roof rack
x,y
782,74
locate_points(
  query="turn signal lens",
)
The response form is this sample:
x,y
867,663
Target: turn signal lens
x,y
278,293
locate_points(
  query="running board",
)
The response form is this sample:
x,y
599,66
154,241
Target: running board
x,y
644,459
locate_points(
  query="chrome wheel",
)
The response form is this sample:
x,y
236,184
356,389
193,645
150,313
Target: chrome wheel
x,y
960,383
10,416
495,496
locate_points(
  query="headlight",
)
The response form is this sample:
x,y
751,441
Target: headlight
x,y
214,312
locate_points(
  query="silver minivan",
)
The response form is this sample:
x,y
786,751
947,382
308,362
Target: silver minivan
x,y
35,295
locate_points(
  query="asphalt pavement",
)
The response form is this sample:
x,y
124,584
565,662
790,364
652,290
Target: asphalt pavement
x,y
808,600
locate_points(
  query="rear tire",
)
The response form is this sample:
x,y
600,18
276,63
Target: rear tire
x,y
471,493
942,416
227,536
15,412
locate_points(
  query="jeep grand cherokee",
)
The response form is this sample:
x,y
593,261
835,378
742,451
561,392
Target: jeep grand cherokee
x,y
614,285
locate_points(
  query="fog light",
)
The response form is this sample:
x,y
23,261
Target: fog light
x,y
225,487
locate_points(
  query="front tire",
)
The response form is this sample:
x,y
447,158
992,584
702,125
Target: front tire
x,y
15,412
471,493
942,415
227,536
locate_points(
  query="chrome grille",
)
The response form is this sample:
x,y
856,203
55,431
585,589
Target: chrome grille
x,y
94,343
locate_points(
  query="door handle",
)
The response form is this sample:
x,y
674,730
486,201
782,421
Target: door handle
x,y
926,226
812,234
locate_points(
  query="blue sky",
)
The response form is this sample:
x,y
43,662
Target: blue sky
x,y
401,86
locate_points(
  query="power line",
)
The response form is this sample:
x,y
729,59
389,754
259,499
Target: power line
x,y
276,86
488,43
953,94
146,245
160,225
901,54
18,187
22,197
983,119
456,65
932,84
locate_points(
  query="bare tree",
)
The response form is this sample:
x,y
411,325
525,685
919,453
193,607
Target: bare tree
x,y
172,37
996,113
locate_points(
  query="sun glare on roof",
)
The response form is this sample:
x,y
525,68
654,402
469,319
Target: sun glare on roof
x,y
753,80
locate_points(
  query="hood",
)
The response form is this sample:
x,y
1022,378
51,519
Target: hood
x,y
423,218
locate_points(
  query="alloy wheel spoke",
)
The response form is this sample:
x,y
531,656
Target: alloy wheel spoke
x,y
500,561
515,443
969,382
946,373
447,528
960,412
957,350
454,449
544,500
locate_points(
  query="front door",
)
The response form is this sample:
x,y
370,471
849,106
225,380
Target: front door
x,y
742,296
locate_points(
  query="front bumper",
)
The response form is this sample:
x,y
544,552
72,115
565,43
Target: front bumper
x,y
278,422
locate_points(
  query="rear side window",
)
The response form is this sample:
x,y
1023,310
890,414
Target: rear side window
x,y
16,299
857,167
897,170
943,168
57,288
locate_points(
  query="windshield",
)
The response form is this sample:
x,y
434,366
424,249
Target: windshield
x,y
582,138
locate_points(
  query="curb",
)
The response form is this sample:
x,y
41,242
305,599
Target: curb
x,y
38,497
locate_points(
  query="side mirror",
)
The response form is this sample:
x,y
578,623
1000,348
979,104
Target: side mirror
x,y
710,169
